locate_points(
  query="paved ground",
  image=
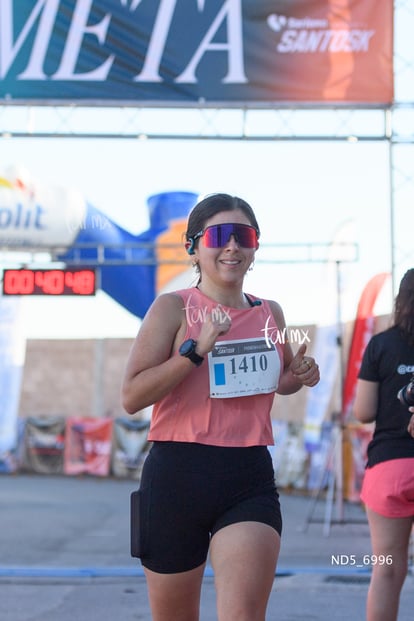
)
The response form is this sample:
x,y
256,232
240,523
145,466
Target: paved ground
x,y
64,556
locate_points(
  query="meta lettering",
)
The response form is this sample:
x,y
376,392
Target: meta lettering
x,y
41,22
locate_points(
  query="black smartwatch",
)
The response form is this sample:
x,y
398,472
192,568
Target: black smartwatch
x,y
187,349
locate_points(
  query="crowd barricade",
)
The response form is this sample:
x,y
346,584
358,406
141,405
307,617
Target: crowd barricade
x,y
88,446
43,444
129,447
296,468
79,445
289,455
118,447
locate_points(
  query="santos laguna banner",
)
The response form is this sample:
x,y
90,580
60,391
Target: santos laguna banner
x,y
196,52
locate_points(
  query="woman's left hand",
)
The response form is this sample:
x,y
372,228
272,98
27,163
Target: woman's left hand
x,y
305,368
410,427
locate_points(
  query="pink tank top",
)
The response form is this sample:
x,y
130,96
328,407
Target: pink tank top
x,y
227,400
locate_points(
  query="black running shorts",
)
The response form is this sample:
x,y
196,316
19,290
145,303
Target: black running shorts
x,y
190,491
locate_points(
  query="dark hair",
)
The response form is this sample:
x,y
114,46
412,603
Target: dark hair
x,y
404,306
213,204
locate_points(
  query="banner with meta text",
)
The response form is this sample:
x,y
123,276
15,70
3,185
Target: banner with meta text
x,y
196,52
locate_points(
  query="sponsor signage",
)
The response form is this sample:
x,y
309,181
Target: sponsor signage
x,y
196,52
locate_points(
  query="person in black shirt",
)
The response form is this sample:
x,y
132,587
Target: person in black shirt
x,y
388,486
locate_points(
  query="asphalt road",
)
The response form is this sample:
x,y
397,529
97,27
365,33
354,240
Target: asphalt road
x,y
64,556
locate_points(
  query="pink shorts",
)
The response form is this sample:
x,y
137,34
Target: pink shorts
x,y
388,488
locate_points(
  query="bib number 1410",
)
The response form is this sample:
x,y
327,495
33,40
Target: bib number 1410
x,y
242,368
248,364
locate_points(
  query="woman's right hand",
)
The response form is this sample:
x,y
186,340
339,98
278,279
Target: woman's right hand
x,y
210,330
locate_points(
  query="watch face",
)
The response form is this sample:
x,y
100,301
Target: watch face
x,y
187,350
187,347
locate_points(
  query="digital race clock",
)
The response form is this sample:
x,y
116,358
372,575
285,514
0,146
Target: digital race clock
x,y
49,282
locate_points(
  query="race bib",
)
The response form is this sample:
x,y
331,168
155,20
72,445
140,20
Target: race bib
x,y
242,368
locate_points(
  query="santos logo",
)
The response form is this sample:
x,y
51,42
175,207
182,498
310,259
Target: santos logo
x,y
317,35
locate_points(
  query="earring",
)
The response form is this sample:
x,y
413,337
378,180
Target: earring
x,y
251,266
